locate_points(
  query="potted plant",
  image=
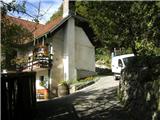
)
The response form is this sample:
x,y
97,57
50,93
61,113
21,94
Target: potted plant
x,y
63,88
43,89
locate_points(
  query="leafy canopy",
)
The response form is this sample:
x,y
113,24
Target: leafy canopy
x,y
127,24
58,14
12,35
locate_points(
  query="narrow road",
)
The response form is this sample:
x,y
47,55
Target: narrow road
x,y
104,82
96,102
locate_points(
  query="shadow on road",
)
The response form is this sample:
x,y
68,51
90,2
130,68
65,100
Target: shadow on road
x,y
92,105
56,109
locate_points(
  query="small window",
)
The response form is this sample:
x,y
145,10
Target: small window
x,y
120,64
41,78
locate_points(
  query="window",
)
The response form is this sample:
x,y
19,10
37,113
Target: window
x,y
120,64
41,78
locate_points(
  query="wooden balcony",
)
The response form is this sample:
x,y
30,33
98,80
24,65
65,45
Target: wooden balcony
x,y
37,63
40,59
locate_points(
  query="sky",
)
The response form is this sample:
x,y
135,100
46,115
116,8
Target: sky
x,y
47,8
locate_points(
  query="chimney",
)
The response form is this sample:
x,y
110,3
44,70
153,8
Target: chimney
x,y
68,7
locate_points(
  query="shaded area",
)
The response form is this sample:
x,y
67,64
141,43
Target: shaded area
x,y
139,88
94,105
100,105
18,95
56,109
103,71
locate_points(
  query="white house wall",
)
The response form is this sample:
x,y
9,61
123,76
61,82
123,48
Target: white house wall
x,y
42,73
69,51
57,67
85,55
85,51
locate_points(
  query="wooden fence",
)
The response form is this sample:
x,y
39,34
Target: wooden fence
x,y
18,96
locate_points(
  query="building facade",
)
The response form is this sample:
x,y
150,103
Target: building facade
x,y
61,50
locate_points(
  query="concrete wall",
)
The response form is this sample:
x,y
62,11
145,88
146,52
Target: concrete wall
x,y
42,73
72,51
69,51
38,79
57,71
85,51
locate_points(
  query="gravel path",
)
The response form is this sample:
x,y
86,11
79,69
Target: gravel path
x,y
96,102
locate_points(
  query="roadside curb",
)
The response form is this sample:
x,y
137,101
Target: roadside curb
x,y
79,86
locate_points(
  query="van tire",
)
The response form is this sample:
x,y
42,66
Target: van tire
x,y
116,77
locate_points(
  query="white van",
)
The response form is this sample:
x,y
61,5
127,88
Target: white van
x,y
118,63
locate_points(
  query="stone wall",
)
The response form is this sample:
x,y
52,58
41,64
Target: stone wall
x,y
139,88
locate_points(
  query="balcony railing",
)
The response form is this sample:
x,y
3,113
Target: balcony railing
x,y
41,58
34,63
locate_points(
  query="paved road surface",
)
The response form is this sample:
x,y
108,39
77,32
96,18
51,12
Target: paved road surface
x,y
96,102
104,82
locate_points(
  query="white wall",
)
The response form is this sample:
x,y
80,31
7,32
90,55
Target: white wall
x,y
69,50
57,71
38,74
41,73
85,51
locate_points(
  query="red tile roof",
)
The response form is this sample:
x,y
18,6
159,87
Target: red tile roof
x,y
44,29
37,29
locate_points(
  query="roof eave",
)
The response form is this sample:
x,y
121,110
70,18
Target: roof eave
x,y
55,27
61,23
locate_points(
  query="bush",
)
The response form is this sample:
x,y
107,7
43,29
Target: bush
x,y
104,56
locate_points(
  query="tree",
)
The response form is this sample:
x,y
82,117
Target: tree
x,y
12,39
13,36
123,24
12,6
59,13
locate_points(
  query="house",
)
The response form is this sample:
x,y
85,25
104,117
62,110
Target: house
x,y
62,49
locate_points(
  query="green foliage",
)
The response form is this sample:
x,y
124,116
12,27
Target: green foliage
x,y
157,51
12,39
87,79
63,82
20,60
103,56
122,24
159,105
13,6
12,35
145,48
104,59
58,14
44,83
